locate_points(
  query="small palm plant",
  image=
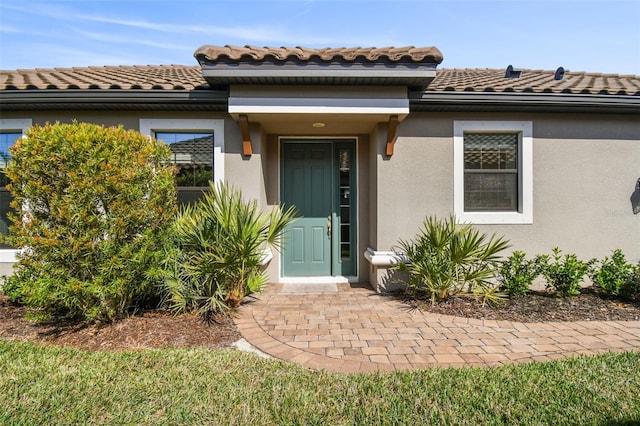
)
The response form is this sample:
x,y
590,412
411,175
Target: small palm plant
x,y
447,258
221,242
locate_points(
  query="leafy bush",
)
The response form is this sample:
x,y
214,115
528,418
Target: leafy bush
x,y
446,258
516,274
221,240
92,208
564,274
635,284
617,277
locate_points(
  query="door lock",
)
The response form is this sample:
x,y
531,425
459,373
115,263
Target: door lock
x,y
329,226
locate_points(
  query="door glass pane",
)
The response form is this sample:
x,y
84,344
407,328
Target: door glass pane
x,y
345,215
344,164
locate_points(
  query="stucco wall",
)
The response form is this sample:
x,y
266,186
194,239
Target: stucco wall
x,y
364,216
585,168
584,171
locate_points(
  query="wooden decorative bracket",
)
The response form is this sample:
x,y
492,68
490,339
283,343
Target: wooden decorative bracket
x,y
391,134
246,137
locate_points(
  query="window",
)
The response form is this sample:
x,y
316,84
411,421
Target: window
x,y
196,149
11,129
192,153
493,172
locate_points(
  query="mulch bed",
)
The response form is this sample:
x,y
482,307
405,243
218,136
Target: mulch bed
x,y
538,306
152,329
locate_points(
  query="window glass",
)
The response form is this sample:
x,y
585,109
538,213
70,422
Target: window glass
x,y
490,172
192,153
7,139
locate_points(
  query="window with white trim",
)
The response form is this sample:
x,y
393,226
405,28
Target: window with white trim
x,y
197,147
493,182
11,129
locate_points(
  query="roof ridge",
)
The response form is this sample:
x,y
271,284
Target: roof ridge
x,y
209,53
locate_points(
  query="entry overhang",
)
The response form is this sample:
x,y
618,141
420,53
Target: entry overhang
x,y
320,105
294,109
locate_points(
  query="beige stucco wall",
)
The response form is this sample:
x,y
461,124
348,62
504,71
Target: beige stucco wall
x,y
584,171
585,168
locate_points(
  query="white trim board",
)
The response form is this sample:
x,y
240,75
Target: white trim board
x,y
265,105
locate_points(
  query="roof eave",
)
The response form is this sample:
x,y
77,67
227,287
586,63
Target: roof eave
x,y
512,101
112,99
410,75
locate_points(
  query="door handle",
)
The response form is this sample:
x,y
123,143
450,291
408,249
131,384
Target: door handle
x,y
329,226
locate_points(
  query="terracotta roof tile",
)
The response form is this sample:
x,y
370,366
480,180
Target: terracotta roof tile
x,y
535,81
180,77
161,77
394,54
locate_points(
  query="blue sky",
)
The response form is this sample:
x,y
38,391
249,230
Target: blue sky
x,y
580,35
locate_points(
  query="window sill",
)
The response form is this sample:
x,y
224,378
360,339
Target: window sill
x,y
8,255
495,218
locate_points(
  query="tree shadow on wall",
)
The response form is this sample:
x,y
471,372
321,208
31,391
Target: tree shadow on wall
x,y
635,199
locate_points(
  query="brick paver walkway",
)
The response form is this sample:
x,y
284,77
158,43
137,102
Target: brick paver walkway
x,y
356,329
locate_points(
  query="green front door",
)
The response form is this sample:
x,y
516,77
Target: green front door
x,y
314,180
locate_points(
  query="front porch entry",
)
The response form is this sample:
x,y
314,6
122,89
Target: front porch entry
x,y
318,177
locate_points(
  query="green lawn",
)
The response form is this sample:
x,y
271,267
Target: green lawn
x,y
48,385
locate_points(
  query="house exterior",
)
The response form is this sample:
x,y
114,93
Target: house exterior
x,y
367,142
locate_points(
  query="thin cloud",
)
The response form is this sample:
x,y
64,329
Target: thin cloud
x,y
9,29
110,38
249,33
260,34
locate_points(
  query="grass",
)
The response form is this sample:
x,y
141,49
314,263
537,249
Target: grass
x,y
50,385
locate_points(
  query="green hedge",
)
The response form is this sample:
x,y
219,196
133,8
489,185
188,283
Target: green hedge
x,y
93,205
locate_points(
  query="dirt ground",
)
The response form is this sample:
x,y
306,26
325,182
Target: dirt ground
x,y
161,329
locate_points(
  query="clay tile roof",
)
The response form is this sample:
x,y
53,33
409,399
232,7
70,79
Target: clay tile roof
x,y
370,54
159,77
180,77
534,81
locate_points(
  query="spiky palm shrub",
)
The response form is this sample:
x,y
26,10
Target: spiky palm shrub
x,y
91,208
221,244
447,258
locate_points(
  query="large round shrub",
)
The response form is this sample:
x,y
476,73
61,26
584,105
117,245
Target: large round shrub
x,y
92,208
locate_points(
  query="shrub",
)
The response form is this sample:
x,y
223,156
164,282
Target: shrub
x,y
92,208
635,283
617,277
564,274
446,258
516,274
221,242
